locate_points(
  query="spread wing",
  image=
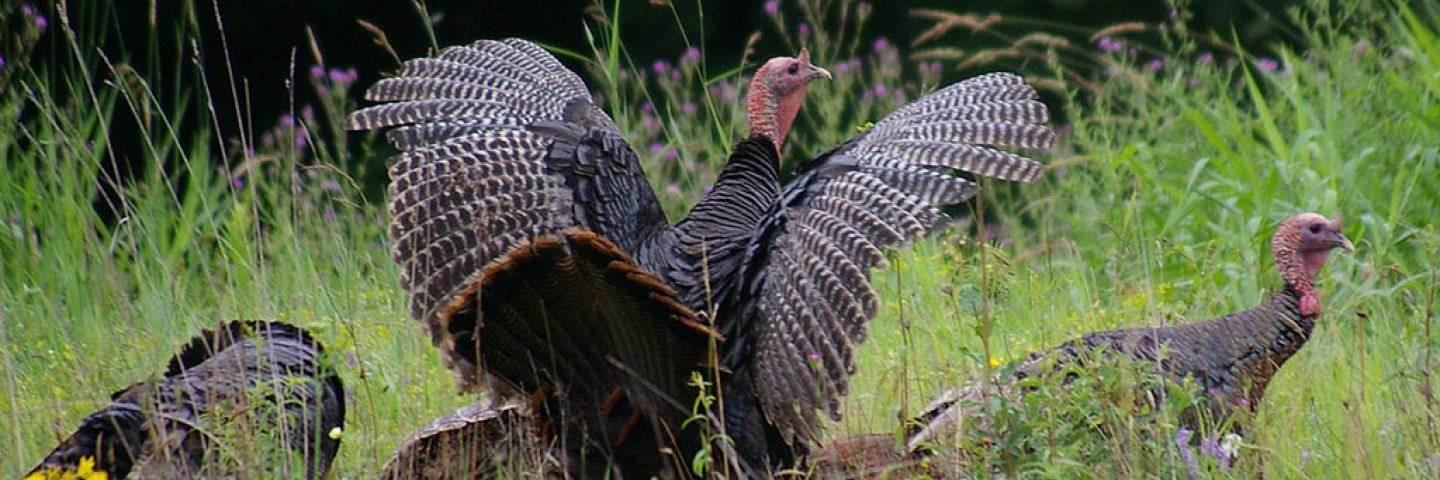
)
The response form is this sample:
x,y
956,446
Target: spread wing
x,y
499,143
808,296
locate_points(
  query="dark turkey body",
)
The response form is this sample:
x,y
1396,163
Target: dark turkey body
x,y
1229,358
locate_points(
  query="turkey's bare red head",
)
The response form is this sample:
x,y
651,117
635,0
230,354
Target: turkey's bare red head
x,y
1300,246
776,93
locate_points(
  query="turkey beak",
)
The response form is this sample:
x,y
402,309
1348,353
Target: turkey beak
x,y
817,72
1339,240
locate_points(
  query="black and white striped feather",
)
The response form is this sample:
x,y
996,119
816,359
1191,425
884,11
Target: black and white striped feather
x,y
499,143
807,296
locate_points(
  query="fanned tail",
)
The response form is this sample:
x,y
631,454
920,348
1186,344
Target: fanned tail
x,y
602,347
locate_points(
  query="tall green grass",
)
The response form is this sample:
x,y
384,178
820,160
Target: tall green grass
x,y
1158,205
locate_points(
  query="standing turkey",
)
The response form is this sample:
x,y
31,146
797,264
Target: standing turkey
x,y
258,375
535,252
1231,359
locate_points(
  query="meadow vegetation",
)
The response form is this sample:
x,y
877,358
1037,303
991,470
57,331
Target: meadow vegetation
x,y
1181,152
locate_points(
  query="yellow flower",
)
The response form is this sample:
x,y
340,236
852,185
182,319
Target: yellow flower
x,y
994,362
87,470
335,433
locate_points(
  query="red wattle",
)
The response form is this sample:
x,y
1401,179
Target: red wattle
x,y
1309,305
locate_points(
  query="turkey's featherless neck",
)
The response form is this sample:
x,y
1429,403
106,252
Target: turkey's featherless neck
x,y
776,93
765,112
1300,247
1294,269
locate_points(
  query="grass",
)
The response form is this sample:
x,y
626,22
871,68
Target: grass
x,y
1159,204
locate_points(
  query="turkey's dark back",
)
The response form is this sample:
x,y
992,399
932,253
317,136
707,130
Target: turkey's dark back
x,y
246,380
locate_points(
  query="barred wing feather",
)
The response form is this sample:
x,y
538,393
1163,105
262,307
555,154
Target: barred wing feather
x,y
500,143
808,287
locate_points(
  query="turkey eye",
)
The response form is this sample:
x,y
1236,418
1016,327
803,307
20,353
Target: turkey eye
x,y
794,68
1315,228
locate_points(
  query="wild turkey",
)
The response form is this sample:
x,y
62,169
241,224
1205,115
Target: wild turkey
x,y
534,250
1231,358
266,373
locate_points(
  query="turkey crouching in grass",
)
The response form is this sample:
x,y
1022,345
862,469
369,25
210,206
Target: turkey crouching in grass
x,y
263,377
1231,359
537,255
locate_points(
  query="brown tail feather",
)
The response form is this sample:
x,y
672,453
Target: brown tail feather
x,y
572,316
477,441
867,456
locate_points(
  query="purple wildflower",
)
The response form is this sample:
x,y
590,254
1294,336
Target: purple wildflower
x,y
675,75
1304,456
1155,65
268,139
2,60
1182,442
647,107
880,90
28,9
350,358
330,185
1211,446
814,357
41,22
1174,13
338,77
672,189
1266,64
656,148
842,68
1205,58
931,68
772,7
237,182
671,154
317,72
802,29
296,188
881,44
1358,49
307,112
660,66
287,120
302,137
691,55
688,107
1110,45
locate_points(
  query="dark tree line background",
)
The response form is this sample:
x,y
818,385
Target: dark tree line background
x,y
268,43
